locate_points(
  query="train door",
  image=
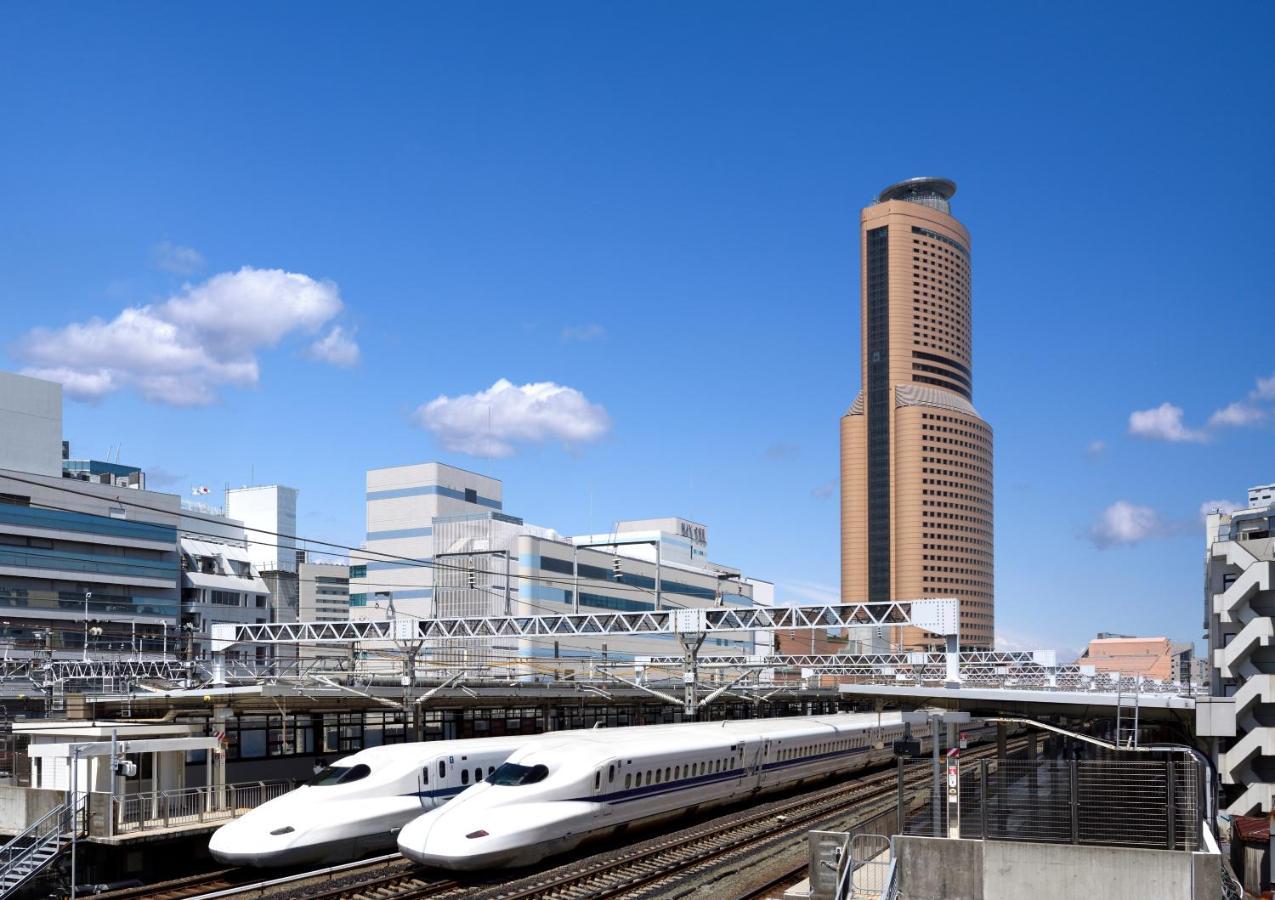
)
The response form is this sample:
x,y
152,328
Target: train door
x,y
427,776
605,779
759,760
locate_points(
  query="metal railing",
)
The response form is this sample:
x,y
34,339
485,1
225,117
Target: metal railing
x,y
30,851
165,809
1113,802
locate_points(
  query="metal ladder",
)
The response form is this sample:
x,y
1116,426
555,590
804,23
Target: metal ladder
x,y
1127,714
27,854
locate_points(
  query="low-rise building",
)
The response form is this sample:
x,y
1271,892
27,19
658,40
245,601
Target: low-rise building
x,y
1156,658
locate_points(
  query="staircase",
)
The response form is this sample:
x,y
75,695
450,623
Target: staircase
x,y
25,855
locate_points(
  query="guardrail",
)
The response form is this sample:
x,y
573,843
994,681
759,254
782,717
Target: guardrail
x,y
152,810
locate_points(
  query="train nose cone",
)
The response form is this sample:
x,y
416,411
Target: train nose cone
x,y
242,843
413,840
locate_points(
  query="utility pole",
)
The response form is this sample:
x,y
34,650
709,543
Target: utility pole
x,y
88,595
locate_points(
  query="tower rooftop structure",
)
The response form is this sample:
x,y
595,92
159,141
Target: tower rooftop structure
x,y
932,192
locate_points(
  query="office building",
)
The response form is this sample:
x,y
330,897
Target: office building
x,y
440,544
1239,618
916,457
220,585
79,570
269,515
402,504
323,595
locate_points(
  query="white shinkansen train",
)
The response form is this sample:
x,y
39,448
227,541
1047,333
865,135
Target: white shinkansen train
x,y
357,805
556,793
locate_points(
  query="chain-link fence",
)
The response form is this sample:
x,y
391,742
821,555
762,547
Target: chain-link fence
x,y
1142,803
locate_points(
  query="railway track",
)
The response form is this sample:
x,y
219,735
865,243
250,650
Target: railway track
x,y
637,870
644,869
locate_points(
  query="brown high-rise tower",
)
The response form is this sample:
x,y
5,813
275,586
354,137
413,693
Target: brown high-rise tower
x,y
916,457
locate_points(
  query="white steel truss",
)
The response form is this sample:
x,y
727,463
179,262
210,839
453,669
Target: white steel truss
x,y
873,662
939,616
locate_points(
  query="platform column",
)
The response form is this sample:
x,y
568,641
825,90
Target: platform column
x,y
691,642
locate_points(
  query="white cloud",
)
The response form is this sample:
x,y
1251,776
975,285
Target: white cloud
x,y
336,348
1265,388
1124,523
180,351
1212,506
491,423
824,491
1236,415
1096,448
176,259
591,332
1163,423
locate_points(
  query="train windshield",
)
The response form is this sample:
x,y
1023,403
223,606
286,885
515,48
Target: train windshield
x,y
339,775
512,774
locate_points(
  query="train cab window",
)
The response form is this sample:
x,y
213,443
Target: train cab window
x,y
339,775
610,774
490,769
515,775
464,776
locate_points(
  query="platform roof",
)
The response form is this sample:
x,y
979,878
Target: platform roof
x,y
1028,701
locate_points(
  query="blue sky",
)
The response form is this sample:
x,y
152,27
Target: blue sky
x,y
654,206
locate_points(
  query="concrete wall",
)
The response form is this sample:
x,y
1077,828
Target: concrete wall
x,y
20,806
938,869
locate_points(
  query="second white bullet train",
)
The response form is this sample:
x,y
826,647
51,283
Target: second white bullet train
x,y
552,795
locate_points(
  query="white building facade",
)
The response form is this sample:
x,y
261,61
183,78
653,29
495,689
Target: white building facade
x,y
269,516
441,545
1239,591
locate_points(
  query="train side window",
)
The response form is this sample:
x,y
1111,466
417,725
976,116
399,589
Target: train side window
x,y
425,775
478,774
464,776
597,779
490,769
677,773
639,779
628,780
442,769
668,773
658,779
610,774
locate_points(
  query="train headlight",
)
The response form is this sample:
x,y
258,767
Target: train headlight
x,y
476,834
286,829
